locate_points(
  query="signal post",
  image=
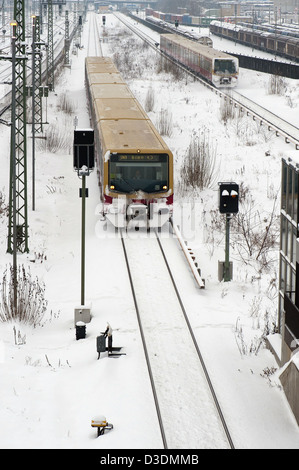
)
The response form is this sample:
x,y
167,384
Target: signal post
x,y
228,205
83,164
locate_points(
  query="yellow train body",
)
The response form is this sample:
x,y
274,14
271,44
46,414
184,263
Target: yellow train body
x,y
127,145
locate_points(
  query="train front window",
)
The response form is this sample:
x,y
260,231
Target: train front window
x,y
129,173
224,66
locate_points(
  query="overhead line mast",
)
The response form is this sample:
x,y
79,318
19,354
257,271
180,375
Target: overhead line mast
x,y
50,46
18,214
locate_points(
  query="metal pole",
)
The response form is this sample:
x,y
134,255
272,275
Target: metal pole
x,y
33,113
226,276
83,239
13,156
19,137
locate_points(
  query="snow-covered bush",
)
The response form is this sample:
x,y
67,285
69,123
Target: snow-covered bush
x,y
164,123
255,234
276,85
227,110
166,66
3,205
65,104
199,170
30,295
149,100
57,137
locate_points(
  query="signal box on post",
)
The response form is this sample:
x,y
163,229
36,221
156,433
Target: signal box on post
x,y
84,149
228,198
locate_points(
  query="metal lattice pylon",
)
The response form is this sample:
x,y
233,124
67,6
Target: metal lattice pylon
x,y
18,160
67,40
50,47
38,125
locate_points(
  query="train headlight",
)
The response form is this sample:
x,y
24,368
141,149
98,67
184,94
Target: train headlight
x,y
164,187
112,186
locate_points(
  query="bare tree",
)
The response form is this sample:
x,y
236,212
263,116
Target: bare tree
x,y
255,233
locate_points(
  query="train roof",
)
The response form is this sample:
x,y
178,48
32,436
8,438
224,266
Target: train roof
x,y
100,64
131,135
123,124
96,77
98,60
110,90
196,47
115,108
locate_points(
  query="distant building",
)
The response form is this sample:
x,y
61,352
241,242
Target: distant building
x,y
288,307
289,260
289,6
229,8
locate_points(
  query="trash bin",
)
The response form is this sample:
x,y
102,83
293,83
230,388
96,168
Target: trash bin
x,y
101,344
80,330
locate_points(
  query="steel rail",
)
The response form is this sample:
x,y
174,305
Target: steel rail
x,y
212,390
204,368
163,435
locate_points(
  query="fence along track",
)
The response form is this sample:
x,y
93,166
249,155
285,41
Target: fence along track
x,y
187,407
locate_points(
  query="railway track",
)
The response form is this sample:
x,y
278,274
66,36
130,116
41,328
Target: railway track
x,y
167,337
187,407
281,127
5,70
94,47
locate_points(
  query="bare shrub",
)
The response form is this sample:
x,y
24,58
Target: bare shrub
x,y
227,110
244,192
255,233
199,166
290,102
56,138
65,104
131,60
149,100
167,66
164,123
276,85
264,132
3,205
31,303
247,346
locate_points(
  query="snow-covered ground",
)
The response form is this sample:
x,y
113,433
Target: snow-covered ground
x,y
51,385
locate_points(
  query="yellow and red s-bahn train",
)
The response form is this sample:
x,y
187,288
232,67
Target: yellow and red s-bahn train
x,y
134,164
217,67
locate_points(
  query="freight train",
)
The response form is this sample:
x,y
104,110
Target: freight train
x,y
189,20
135,166
218,68
272,42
